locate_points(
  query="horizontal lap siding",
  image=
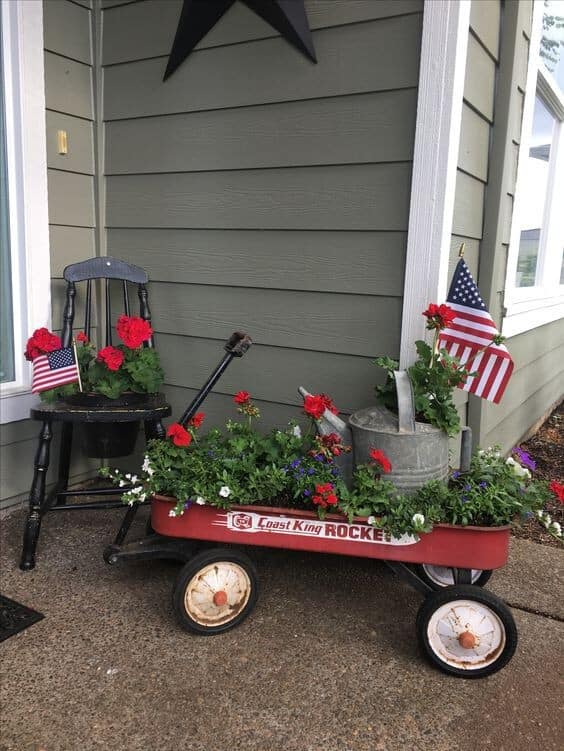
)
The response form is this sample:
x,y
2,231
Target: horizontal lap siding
x,y
538,354
474,146
265,193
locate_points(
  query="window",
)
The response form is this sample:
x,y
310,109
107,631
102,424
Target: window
x,y
535,272
24,235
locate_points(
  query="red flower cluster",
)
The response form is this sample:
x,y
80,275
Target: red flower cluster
x,y
180,436
324,495
197,420
41,342
111,357
380,458
241,397
558,490
439,316
133,331
332,444
316,404
82,338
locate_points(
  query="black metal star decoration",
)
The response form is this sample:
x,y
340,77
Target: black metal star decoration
x,y
199,16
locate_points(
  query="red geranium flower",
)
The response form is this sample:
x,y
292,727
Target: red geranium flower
x,y
81,337
41,342
111,357
328,404
324,495
314,406
380,458
197,420
439,316
180,436
133,331
241,397
558,490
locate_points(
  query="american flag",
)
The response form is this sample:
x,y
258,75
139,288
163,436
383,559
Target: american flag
x,y
54,369
469,338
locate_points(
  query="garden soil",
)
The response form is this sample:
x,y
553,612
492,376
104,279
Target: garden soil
x,y
546,447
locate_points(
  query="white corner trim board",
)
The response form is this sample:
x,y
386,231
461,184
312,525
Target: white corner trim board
x,y
437,135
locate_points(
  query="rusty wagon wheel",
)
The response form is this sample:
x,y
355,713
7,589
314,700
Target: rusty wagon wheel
x,y
215,591
466,631
439,577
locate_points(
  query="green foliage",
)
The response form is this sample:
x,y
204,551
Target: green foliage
x,y
433,378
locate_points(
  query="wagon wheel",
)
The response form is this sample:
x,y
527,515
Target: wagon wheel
x,y
215,591
439,577
466,631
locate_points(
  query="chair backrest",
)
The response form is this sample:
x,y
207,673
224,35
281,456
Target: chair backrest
x,y
108,269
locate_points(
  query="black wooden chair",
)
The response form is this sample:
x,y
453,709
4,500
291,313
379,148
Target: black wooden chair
x,y
150,409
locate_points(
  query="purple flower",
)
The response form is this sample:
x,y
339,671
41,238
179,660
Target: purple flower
x,y
464,499
311,471
524,458
456,475
467,486
483,484
187,503
307,492
295,463
318,457
529,515
335,471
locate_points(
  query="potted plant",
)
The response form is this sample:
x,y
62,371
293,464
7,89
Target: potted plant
x,y
120,376
289,469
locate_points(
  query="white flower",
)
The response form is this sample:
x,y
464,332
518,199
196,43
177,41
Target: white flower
x,y
122,483
147,466
200,501
131,502
556,528
371,519
172,512
138,489
539,514
297,431
224,491
517,468
418,520
133,479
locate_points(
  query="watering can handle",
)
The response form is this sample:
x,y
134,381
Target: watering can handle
x,y
406,407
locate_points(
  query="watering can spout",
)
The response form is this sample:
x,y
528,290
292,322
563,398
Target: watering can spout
x,y
330,423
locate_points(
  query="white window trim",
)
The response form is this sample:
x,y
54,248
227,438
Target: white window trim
x,y
22,46
437,135
527,308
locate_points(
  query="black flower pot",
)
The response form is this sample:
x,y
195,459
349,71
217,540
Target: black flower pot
x,y
89,399
108,440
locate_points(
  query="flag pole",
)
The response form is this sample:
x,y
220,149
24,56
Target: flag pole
x,y
76,361
461,250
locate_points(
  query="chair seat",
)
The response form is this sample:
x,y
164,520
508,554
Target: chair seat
x,y
154,407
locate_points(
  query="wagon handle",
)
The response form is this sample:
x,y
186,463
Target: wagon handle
x,y
238,343
236,346
406,406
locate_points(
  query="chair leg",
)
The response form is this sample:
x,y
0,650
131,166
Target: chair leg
x,y
36,498
64,462
154,429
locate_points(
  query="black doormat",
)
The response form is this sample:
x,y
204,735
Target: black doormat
x,y
15,617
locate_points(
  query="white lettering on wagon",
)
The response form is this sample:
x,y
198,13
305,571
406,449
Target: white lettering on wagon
x,y
239,521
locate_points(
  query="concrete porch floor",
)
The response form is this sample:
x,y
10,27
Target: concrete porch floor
x,y
328,661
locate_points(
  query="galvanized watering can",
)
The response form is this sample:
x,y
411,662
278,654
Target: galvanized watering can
x,y
417,451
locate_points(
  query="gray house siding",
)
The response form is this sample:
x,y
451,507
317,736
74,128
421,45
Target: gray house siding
x,y
537,382
69,106
265,193
474,149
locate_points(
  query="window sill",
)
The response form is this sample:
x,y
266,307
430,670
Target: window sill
x,y
532,312
15,405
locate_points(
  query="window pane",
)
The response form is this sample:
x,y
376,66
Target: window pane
x,y
534,188
6,314
552,40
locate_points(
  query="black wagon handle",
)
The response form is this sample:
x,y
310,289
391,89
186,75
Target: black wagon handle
x,y
238,343
236,346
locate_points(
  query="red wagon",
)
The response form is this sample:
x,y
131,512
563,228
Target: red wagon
x,y
464,630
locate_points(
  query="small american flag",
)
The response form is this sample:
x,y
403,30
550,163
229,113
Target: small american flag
x,y
54,369
469,338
